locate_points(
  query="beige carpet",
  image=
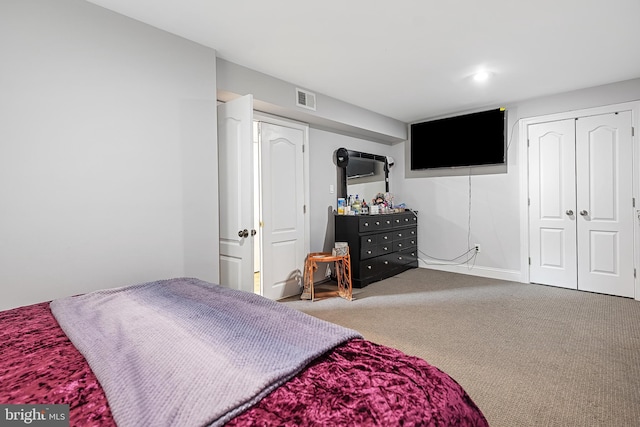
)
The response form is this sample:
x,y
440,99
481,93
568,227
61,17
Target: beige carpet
x,y
529,355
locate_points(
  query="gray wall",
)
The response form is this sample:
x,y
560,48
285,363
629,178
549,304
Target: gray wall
x,y
277,97
323,173
455,212
107,152
615,93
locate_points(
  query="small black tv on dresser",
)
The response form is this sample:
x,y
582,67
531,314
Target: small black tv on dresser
x,y
476,139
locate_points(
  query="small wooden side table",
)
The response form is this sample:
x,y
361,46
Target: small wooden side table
x,y
343,273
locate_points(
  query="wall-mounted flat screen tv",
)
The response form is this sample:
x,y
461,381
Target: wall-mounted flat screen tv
x,y
474,139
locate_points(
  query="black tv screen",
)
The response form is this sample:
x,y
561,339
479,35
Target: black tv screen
x,y
474,139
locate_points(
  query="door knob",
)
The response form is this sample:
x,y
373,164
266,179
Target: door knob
x,y
253,232
584,213
243,233
569,212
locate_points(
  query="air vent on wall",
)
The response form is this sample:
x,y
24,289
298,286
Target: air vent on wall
x,y
305,99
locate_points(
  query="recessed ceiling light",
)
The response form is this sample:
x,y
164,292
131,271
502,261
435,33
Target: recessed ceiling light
x,y
481,76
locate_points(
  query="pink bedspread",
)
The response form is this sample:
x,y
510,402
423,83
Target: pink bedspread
x,y
358,383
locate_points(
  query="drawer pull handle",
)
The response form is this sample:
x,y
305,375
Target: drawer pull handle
x,y
386,262
400,258
399,245
385,248
399,234
366,224
386,237
369,267
377,222
369,252
397,220
368,240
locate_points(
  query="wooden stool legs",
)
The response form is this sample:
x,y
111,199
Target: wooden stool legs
x,y
343,274
309,267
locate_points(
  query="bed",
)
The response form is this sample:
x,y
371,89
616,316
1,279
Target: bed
x,y
185,352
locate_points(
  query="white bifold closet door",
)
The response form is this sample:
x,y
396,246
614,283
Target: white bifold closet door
x,y
581,203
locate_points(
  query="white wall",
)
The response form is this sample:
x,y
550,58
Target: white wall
x,y
107,152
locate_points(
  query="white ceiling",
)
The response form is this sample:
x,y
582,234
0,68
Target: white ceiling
x,y
412,59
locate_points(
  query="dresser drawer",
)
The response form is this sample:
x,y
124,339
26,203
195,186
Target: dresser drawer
x,y
368,240
403,244
385,247
403,233
385,238
400,258
404,219
374,239
369,268
392,260
374,223
368,251
409,255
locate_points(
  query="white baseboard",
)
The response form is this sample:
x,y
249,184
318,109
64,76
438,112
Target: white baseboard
x,y
492,273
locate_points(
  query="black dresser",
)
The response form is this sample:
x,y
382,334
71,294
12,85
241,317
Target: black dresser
x,y
381,246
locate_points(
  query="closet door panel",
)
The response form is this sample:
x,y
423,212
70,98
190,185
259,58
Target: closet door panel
x,y
604,169
552,203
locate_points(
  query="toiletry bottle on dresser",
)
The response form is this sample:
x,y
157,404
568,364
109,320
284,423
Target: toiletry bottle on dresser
x,y
356,206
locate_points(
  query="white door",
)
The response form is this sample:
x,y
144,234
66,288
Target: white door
x,y
581,211
235,171
552,211
283,209
604,159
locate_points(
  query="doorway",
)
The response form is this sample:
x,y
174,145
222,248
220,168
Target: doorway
x,y
264,225
282,209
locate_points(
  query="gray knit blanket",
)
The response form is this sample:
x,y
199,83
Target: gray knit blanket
x,y
183,352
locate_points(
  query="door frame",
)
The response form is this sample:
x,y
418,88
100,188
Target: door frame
x,y
259,116
523,159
